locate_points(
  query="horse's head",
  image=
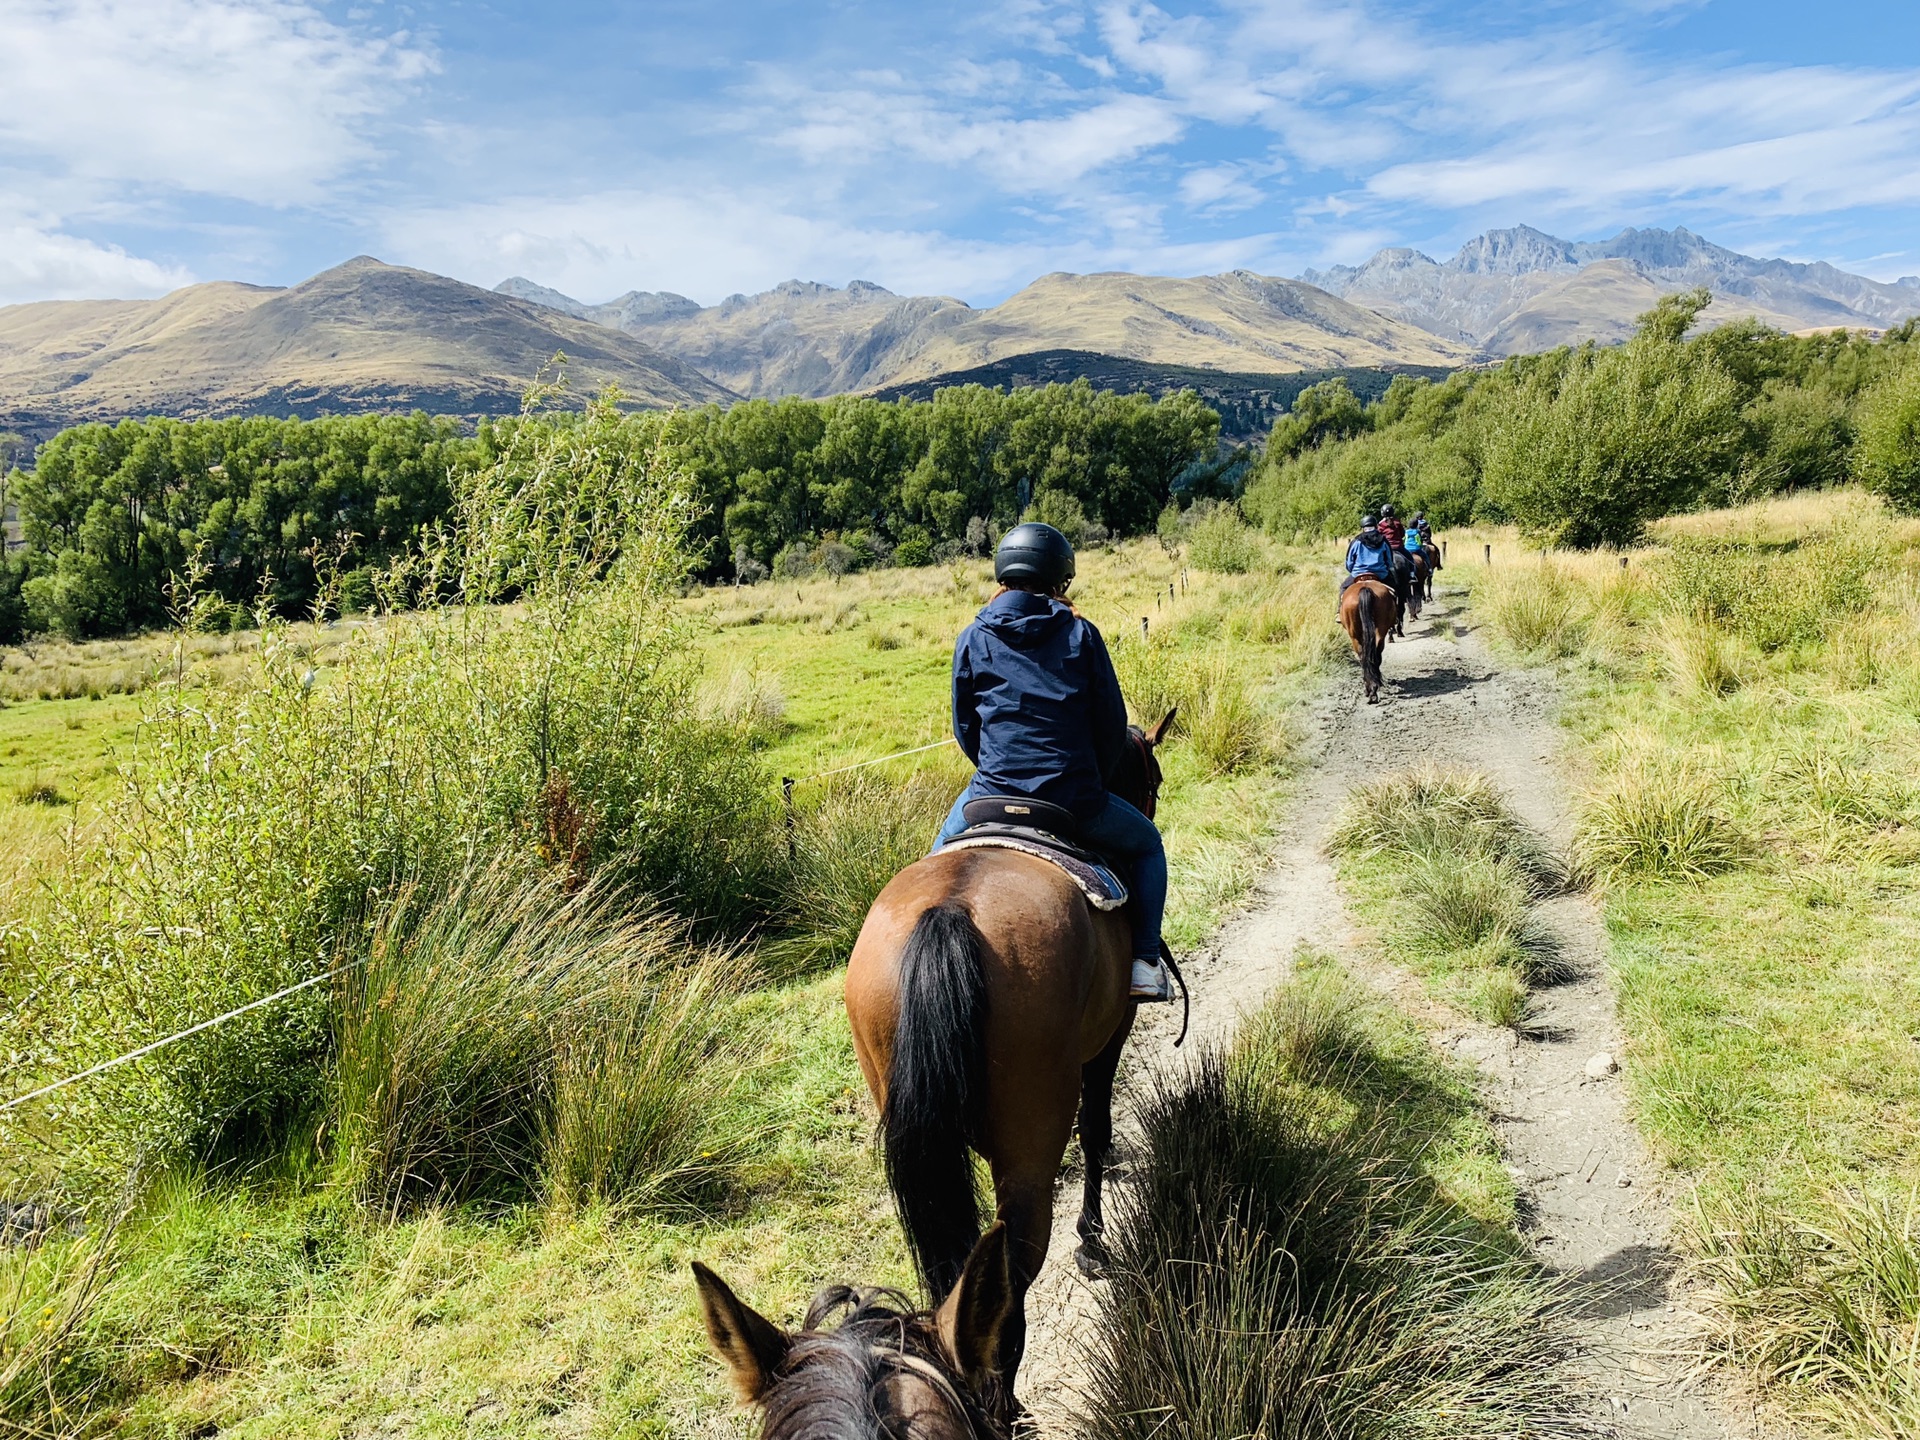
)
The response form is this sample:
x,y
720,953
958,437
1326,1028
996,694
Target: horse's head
x,y
1136,779
884,1371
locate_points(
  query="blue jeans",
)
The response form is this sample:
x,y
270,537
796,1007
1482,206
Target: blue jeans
x,y
1121,831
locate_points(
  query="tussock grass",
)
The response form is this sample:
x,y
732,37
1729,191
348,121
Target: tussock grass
x,y
504,1035
1286,1267
49,1293
848,840
1656,823
1448,874
1821,1308
1430,809
1535,609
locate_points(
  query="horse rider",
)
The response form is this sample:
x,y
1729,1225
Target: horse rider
x,y
1395,529
1037,708
1369,553
1428,548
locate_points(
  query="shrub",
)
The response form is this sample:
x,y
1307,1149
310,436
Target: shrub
x,y
1886,456
1220,541
915,547
1773,595
267,821
1593,447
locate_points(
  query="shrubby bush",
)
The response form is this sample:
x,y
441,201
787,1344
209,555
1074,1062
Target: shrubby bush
x,y
1889,445
1220,541
265,824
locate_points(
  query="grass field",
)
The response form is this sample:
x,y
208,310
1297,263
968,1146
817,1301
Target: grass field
x,y
1746,696
266,1302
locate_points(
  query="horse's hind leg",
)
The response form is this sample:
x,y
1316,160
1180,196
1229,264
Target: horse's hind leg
x,y
1096,1148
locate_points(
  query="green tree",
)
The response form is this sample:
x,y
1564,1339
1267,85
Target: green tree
x,y
1886,456
1586,454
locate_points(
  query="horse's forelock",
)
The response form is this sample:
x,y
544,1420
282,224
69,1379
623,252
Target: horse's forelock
x,y
834,1382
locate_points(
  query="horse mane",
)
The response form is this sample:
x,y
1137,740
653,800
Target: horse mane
x,y
832,1385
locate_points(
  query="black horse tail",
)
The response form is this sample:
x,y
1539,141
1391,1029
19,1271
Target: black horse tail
x,y
935,1094
1369,641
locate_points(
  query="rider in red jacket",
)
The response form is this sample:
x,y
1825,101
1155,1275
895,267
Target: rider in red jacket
x,y
1393,527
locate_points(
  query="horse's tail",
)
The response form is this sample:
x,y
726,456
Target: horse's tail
x,y
1369,640
935,1091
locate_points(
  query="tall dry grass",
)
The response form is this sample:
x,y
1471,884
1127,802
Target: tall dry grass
x,y
505,1037
1283,1268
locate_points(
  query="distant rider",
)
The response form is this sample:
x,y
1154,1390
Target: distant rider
x,y
1395,530
1037,708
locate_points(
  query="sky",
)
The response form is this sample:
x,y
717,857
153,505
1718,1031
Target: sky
x,y
931,147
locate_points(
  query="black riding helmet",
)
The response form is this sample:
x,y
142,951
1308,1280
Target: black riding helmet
x,y
1369,522
1386,510
1034,554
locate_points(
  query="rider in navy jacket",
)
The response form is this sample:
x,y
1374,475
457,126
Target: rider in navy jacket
x,y
1029,660
1037,708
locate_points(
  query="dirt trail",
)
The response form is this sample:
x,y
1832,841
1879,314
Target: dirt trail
x,y
1590,1200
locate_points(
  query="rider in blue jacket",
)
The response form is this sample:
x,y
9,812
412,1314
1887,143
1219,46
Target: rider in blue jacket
x,y
1037,708
1369,553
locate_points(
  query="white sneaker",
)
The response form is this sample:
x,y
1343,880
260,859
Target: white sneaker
x,y
1151,983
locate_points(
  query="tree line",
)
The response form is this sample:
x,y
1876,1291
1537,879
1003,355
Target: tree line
x,y
1583,446
268,511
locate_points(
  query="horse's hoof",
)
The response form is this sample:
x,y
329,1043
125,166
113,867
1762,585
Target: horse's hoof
x,y
1092,1260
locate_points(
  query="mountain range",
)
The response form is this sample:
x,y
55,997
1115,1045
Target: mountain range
x,y
370,336
1509,292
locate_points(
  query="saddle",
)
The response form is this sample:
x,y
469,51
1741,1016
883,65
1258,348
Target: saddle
x,y
1047,832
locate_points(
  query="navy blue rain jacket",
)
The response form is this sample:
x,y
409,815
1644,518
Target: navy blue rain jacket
x,y
1036,704
1370,556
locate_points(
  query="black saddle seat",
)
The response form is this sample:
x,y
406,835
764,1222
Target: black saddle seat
x,y
1035,821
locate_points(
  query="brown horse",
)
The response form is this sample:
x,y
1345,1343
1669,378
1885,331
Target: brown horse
x,y
989,1000
1368,612
885,1371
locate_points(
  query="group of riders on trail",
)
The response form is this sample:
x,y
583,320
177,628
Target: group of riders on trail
x,y
1392,551
990,993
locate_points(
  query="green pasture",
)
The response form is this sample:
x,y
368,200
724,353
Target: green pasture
x,y
1745,700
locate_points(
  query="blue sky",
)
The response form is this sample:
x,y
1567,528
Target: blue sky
x,y
931,147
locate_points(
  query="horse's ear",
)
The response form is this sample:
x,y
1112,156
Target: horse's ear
x,y
973,1315
752,1345
1159,732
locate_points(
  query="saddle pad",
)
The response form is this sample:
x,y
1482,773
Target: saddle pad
x,y
1099,884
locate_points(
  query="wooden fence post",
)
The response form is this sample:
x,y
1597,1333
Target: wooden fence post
x,y
1143,627
1489,555
786,794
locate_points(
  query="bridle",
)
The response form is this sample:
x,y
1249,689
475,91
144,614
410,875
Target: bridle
x,y
902,1361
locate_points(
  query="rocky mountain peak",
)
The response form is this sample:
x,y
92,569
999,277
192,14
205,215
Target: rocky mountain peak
x,y
1520,250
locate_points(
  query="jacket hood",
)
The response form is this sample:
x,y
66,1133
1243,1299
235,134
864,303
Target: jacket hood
x,y
1024,620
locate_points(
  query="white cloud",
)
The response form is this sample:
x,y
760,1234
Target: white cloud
x,y
264,101
38,264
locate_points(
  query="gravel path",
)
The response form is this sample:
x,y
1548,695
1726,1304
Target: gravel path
x,y
1591,1201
